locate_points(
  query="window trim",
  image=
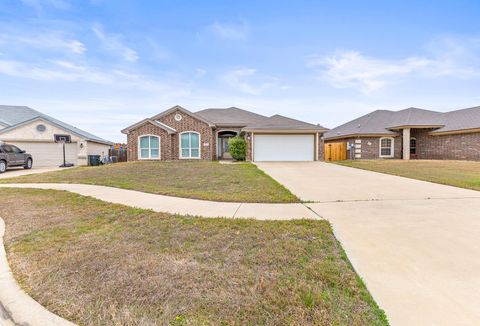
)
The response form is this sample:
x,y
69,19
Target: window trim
x,y
190,148
139,151
392,148
413,138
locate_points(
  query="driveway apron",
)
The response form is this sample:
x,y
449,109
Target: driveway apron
x,y
414,243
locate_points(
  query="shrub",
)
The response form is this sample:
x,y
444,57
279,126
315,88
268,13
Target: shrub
x,y
237,148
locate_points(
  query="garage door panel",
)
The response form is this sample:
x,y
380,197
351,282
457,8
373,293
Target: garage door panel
x,y
284,147
49,154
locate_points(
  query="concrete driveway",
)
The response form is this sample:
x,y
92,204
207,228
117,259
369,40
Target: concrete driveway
x,y
415,244
16,172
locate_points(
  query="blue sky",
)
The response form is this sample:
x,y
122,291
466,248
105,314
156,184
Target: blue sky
x,y
102,65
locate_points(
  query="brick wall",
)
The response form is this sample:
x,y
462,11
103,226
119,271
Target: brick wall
x,y
248,139
170,144
189,123
321,147
447,147
444,147
149,129
370,147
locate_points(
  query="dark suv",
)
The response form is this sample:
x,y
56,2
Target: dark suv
x,y
11,155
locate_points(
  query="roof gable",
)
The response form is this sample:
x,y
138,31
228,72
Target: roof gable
x,y
163,126
183,110
17,116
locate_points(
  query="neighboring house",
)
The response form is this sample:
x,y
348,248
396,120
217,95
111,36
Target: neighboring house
x,y
34,132
411,133
180,134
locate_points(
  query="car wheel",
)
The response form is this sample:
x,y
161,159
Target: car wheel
x,y
29,164
3,166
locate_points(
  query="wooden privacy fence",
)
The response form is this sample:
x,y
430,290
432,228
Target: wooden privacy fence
x,y
335,151
121,154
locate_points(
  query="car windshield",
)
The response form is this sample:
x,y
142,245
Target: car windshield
x,y
11,149
16,149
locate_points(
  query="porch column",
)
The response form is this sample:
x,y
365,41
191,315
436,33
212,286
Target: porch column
x,y
406,143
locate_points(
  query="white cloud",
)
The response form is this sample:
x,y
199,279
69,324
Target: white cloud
x,y
247,81
44,40
352,69
446,57
60,70
229,31
113,43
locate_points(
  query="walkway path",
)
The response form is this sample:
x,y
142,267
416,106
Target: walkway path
x,y
176,205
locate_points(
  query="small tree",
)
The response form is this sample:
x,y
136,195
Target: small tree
x,y
237,148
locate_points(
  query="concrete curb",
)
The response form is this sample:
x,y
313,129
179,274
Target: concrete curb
x,y
177,205
16,307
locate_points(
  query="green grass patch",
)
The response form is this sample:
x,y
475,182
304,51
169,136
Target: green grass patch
x,y
96,263
190,179
463,174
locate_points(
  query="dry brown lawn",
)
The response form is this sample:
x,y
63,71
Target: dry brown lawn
x,y
190,179
464,174
102,264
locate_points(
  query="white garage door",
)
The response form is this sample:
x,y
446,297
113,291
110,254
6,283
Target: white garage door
x,y
48,154
283,147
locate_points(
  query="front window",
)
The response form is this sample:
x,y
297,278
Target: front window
x,y
413,146
149,147
189,145
386,147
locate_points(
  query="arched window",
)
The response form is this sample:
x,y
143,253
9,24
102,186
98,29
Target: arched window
x,y
149,147
413,145
190,145
386,147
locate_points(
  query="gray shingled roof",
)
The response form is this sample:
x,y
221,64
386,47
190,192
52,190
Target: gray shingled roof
x,y
16,115
279,122
231,116
461,120
252,121
381,122
373,123
416,117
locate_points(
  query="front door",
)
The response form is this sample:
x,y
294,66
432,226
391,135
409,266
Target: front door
x,y
224,153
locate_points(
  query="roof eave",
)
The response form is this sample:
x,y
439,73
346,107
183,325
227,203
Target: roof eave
x,y
23,123
454,132
168,129
283,130
362,135
414,126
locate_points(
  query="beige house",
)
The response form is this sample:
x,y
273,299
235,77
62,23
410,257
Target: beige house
x,y
34,132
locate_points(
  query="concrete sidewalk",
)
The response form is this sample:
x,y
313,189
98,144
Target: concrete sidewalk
x,y
183,206
17,307
17,172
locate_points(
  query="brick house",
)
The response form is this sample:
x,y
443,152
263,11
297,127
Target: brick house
x,y
178,133
411,133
